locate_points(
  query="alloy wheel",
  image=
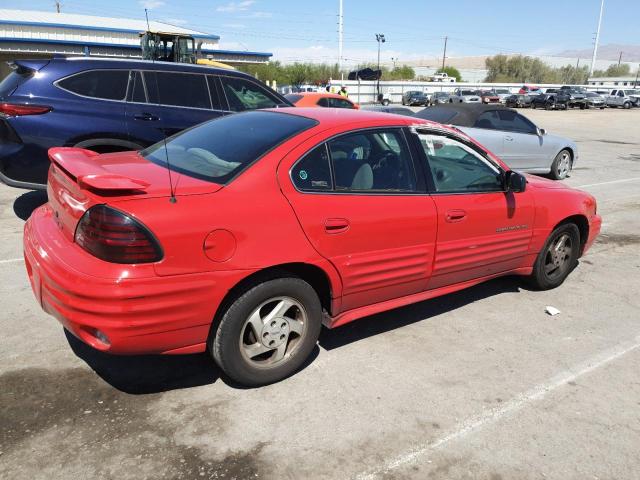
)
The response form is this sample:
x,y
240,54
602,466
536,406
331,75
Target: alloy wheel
x,y
564,165
558,256
273,332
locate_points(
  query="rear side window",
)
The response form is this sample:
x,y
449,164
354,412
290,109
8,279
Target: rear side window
x,y
13,81
178,89
246,95
136,88
340,103
323,102
292,97
220,149
313,173
104,84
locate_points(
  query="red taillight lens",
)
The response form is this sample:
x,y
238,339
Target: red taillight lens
x,y
115,237
18,109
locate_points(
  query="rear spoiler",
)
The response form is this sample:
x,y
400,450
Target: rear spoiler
x,y
29,65
80,165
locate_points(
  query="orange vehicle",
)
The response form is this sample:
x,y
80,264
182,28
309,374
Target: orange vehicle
x,y
321,99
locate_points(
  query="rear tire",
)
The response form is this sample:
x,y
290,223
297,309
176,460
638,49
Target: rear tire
x,y
557,258
561,165
385,102
268,332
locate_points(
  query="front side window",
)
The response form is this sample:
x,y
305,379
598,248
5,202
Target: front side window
x,y
457,168
514,122
246,95
220,149
103,84
372,161
178,89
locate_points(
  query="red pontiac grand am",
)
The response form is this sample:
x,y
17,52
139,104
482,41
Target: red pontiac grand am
x,y
243,235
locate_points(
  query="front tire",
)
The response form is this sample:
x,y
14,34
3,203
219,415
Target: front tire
x,y
627,105
557,258
268,332
561,165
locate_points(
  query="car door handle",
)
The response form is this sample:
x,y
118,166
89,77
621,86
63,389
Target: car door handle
x,y
146,116
509,139
336,225
454,216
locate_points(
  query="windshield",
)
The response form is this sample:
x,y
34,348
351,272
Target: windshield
x,y
502,91
220,149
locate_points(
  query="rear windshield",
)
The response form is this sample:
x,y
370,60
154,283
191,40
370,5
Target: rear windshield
x,y
440,115
219,150
292,97
13,81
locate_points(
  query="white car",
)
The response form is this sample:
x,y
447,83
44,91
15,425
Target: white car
x,y
625,98
464,96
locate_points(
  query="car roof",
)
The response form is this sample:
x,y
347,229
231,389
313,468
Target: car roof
x,y
85,63
336,117
462,114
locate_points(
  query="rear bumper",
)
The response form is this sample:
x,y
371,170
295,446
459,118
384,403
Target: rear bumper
x,y
145,315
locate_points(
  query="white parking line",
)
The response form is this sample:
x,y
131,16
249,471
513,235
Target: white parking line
x,y
489,416
608,183
12,260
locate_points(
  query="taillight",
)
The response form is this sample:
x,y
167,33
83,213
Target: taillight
x,y
18,109
115,237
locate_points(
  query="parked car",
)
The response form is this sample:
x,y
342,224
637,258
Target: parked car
x,y
513,137
109,105
320,99
464,96
130,264
439,97
595,101
415,97
550,101
529,90
519,100
502,93
625,98
577,96
389,109
488,96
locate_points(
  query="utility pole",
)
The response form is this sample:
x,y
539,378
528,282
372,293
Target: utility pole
x,y
380,39
444,55
340,26
597,39
637,72
58,7
619,58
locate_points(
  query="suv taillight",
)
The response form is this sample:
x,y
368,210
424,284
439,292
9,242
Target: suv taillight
x,y
19,109
115,237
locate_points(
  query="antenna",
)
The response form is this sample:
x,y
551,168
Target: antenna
x,y
172,198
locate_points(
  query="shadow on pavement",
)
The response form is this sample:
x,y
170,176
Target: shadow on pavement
x,y
400,317
143,374
25,204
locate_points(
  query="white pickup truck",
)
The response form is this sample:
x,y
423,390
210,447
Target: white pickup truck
x,y
626,98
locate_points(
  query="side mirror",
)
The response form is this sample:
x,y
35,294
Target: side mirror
x,y
516,182
541,132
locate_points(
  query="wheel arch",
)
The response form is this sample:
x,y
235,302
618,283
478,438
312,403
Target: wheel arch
x,y
312,274
582,223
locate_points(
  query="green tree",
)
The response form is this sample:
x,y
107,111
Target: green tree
x,y
621,70
523,69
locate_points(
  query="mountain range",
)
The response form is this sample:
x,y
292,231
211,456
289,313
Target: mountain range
x,y
630,53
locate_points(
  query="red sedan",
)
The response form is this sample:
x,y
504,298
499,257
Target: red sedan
x,y
242,236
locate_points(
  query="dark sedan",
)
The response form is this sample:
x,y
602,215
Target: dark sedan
x,y
519,100
415,97
550,101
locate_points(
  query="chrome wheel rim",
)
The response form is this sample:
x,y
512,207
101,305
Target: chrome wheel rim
x,y
564,165
273,332
558,256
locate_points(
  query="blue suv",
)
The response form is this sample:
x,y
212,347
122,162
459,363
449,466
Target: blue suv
x,y
109,105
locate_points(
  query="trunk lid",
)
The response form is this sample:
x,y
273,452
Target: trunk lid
x,y
79,179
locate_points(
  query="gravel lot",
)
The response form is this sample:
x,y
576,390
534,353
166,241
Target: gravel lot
x,y
477,384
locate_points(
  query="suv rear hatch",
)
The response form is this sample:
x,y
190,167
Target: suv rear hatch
x,y
80,179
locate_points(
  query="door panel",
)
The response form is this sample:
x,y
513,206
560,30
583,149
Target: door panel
x,y
492,237
382,244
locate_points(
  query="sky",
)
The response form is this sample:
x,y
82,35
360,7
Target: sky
x,y
307,31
